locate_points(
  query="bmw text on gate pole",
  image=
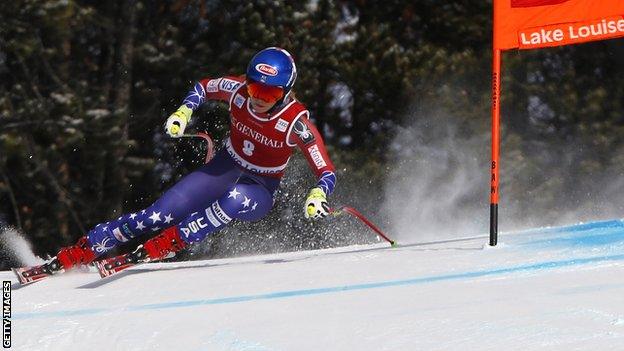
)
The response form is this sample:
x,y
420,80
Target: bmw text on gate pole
x,y
6,314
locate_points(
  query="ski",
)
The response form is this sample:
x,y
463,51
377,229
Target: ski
x,y
30,274
110,266
114,265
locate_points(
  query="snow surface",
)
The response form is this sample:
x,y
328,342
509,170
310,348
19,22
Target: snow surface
x,y
546,289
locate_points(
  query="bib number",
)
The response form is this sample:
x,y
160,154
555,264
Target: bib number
x,y
248,147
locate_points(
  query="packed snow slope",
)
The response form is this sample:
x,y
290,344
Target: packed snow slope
x,y
546,289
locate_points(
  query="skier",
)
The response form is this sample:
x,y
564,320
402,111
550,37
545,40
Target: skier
x,y
267,123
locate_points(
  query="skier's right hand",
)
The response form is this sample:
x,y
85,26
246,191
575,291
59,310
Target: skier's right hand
x,y
176,123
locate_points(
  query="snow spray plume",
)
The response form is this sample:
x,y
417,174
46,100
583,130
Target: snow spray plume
x,y
438,188
13,244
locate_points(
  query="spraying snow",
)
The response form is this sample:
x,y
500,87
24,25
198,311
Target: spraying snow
x,y
440,182
13,243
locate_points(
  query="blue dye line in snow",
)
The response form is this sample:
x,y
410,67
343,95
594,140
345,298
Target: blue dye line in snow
x,y
605,233
614,223
336,289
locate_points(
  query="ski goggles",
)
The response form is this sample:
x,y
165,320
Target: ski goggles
x,y
266,93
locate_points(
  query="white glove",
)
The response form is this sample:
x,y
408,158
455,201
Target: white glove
x,y
316,204
176,123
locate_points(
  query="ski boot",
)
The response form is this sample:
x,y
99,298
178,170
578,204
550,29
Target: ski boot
x,y
67,258
162,246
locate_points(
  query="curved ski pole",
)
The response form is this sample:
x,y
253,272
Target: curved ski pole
x,y
352,211
205,136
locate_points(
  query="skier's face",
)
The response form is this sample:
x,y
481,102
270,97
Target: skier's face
x,y
260,106
263,96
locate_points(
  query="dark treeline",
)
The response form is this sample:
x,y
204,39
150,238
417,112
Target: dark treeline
x,y
86,87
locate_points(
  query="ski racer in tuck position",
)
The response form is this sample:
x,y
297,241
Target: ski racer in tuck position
x,y
267,123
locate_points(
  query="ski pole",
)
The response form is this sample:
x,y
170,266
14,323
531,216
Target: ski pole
x,y
205,136
352,211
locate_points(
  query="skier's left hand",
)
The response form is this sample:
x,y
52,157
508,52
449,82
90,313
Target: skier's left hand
x,y
316,204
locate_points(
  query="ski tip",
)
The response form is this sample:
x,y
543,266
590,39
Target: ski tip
x,y
21,280
17,275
